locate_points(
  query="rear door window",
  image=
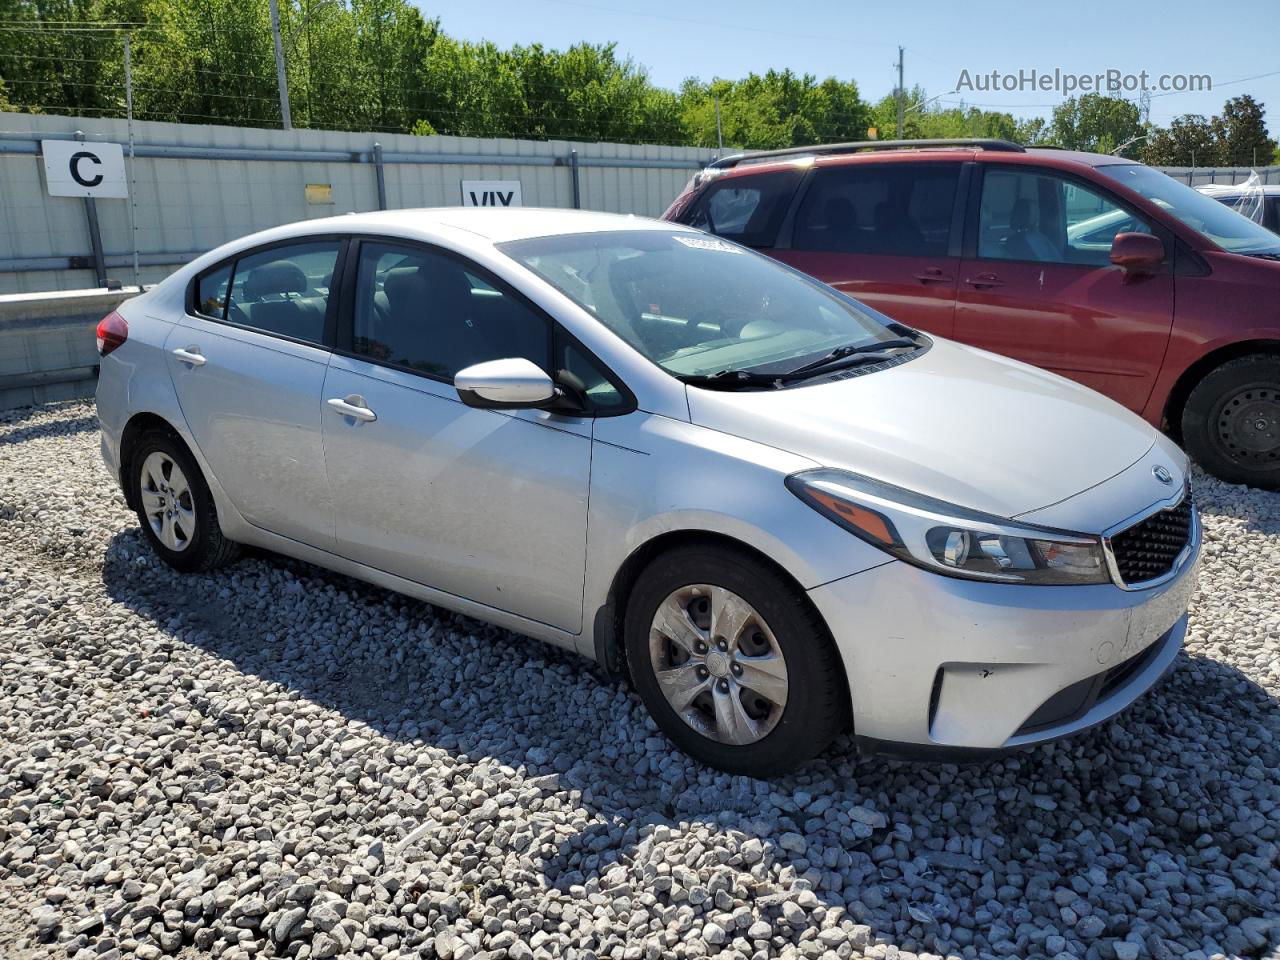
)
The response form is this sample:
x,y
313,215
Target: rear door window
x,y
285,290
747,209
902,210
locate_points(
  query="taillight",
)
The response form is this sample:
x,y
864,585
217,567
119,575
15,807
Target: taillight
x,y
112,332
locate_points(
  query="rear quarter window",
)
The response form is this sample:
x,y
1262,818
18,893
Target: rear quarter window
x,y
746,209
210,292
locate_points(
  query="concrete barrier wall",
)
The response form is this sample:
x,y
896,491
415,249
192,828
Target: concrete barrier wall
x,y
47,346
195,187
1197,176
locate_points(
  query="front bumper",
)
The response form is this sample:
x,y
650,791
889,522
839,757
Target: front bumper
x,y
937,663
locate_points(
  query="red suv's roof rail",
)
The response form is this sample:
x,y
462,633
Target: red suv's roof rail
x,y
983,143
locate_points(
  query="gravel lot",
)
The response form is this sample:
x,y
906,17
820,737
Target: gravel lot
x,y
278,761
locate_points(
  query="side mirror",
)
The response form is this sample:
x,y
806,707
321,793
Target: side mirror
x,y
1137,253
512,383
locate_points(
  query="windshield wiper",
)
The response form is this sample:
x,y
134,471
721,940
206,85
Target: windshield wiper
x,y
866,350
847,355
732,379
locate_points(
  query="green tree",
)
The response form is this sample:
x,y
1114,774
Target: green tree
x,y
925,118
1187,142
1095,123
51,61
1031,131
1240,133
773,110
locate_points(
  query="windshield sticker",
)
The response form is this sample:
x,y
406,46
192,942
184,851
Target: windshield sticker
x,y
709,243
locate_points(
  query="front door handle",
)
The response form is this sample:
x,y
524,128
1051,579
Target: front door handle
x,y
933,275
352,406
984,281
190,355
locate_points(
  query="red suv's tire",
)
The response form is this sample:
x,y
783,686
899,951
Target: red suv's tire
x,y
1231,422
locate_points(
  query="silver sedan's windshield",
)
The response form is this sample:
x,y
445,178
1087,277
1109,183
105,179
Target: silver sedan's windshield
x,y
697,305
1216,221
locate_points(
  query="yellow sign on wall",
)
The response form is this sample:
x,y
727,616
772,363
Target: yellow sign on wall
x,y
320,194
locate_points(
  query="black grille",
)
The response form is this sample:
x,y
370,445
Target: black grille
x,y
1148,549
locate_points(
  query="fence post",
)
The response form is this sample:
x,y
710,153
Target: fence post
x,y
380,173
573,170
95,233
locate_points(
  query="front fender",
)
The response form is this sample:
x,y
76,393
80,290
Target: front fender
x,y
652,476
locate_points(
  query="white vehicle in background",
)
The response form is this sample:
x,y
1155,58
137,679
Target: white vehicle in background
x,y
1260,202
784,515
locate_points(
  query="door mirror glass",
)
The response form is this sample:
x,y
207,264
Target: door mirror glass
x,y
509,384
1137,252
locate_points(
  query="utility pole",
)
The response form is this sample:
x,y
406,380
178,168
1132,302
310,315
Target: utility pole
x,y
902,93
133,183
285,120
719,134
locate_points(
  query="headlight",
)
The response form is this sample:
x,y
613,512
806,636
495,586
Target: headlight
x,y
948,539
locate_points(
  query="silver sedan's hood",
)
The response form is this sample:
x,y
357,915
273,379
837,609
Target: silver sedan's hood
x,y
959,424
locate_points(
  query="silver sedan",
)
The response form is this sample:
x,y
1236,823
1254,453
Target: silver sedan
x,y
781,514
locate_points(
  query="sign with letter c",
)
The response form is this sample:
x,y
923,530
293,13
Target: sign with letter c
x,y
73,168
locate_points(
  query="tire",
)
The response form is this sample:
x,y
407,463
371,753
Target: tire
x,y
777,622
166,481
1231,421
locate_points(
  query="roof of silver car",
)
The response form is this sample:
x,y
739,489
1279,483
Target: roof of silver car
x,y
500,224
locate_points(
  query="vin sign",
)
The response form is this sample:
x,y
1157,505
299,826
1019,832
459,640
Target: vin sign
x,y
76,169
491,193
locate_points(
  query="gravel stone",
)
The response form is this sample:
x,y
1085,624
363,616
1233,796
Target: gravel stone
x,y
272,760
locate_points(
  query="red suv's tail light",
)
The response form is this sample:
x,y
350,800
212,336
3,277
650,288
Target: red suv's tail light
x,y
112,332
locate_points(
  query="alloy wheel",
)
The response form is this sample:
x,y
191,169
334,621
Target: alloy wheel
x,y
718,664
166,500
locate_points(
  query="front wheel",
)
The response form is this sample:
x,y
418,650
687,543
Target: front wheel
x,y
1231,423
733,662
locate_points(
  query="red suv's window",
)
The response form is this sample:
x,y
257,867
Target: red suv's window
x,y
747,209
1036,216
904,209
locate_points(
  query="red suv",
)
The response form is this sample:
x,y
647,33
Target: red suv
x,y
1100,269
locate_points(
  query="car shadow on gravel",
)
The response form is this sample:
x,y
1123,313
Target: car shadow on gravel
x,y
1159,827
12,434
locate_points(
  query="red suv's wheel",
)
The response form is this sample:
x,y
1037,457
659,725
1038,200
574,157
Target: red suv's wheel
x,y
1231,423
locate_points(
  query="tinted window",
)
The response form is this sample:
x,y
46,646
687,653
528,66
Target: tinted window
x,y
746,209
695,304
904,210
211,291
423,310
1046,219
285,290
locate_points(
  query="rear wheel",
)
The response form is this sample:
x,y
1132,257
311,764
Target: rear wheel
x,y
732,661
174,505
1231,422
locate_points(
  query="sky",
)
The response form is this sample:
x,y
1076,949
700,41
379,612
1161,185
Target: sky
x,y
857,40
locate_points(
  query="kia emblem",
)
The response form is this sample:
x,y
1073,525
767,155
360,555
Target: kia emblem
x,y
1162,474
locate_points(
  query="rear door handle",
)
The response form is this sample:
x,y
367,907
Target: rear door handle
x,y
190,355
352,406
985,281
933,275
